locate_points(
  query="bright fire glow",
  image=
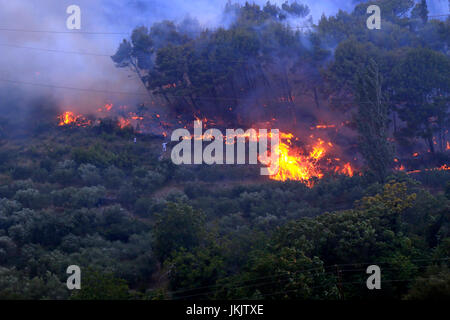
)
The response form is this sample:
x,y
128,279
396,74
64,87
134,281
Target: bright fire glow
x,y
441,168
124,122
70,118
67,118
297,165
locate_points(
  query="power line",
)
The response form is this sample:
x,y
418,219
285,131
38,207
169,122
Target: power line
x,y
236,284
241,282
63,32
106,33
72,88
54,50
45,85
277,281
123,92
439,15
324,285
103,55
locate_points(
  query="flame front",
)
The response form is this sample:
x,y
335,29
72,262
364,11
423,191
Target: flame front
x,y
67,117
123,122
295,164
70,118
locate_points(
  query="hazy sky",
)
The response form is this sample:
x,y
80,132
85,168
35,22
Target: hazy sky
x,y
98,72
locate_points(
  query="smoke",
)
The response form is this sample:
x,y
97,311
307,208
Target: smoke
x,y
437,7
21,61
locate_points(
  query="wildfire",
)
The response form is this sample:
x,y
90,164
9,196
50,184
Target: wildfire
x,y
347,170
67,118
444,167
324,126
124,122
295,164
70,118
107,107
318,151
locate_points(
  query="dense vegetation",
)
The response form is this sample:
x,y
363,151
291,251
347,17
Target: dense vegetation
x,y
142,228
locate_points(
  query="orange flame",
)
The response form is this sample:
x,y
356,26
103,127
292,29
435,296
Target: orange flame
x,y
67,117
325,126
123,122
70,118
106,107
444,167
348,170
295,165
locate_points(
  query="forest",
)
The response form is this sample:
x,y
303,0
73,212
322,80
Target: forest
x,y
98,192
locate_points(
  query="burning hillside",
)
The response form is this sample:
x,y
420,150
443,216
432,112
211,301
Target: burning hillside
x,y
299,165
70,118
307,157
299,160
124,118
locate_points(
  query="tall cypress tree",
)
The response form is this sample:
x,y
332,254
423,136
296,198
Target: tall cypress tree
x,y
372,122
